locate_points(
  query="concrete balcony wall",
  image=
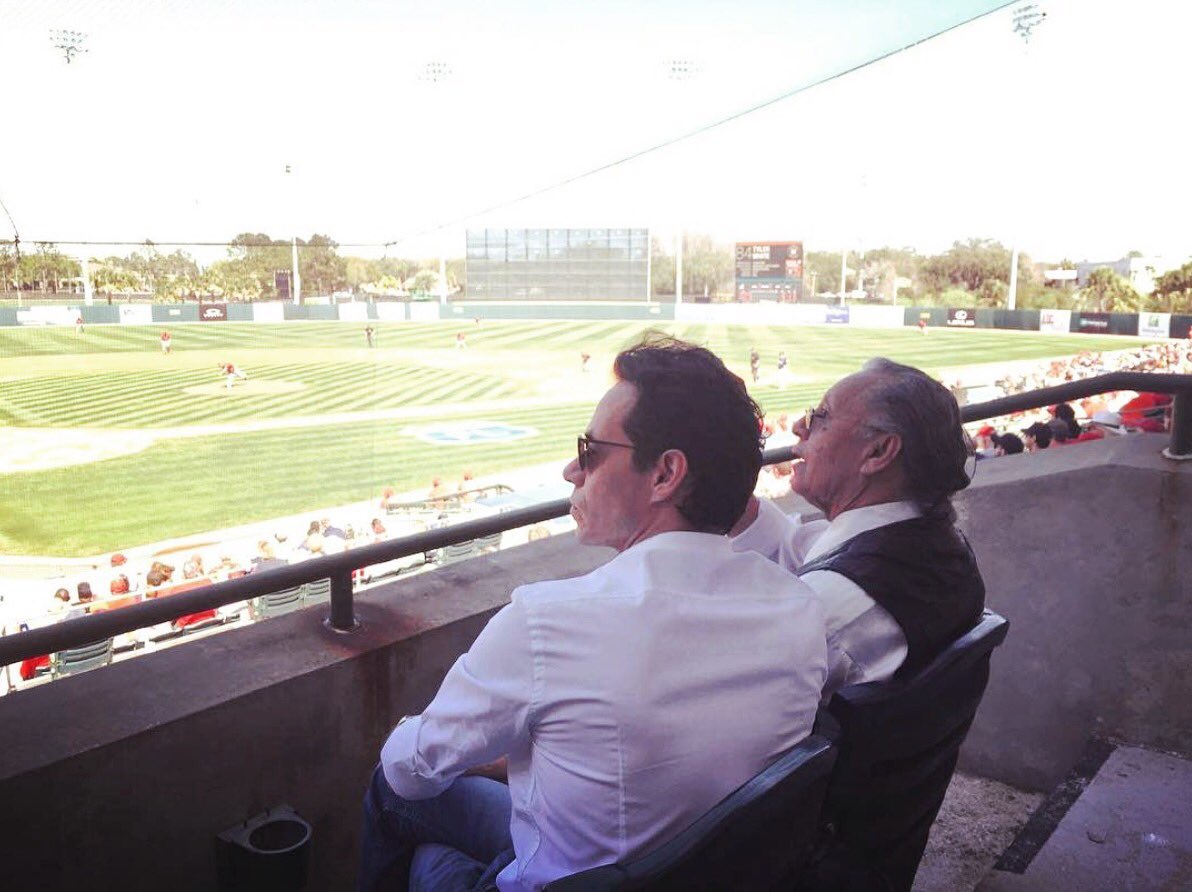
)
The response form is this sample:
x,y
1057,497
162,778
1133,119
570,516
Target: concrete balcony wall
x,y
1087,549
121,778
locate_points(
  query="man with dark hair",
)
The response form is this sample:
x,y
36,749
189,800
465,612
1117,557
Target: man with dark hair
x,y
1037,436
627,702
1007,444
881,457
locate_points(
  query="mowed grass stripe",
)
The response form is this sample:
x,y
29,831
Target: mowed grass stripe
x,y
198,484
157,398
207,483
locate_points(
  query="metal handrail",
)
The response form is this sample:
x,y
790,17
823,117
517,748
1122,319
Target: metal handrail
x,y
339,567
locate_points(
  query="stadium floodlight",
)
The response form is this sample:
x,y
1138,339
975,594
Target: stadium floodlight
x,y
682,69
70,42
435,72
1026,19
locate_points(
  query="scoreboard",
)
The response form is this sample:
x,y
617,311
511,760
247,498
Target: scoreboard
x,y
770,271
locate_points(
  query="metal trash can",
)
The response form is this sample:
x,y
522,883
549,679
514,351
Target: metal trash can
x,y
267,853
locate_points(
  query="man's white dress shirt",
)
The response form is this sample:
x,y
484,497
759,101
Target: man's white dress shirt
x,y
865,642
629,701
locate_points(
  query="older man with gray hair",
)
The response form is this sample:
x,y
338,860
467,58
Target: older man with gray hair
x,y
881,456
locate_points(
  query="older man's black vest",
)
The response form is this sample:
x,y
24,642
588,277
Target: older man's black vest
x,y
922,571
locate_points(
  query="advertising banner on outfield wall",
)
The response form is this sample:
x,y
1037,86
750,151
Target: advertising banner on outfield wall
x,y
136,314
424,311
1092,323
352,312
1055,320
1154,325
836,315
213,312
270,311
960,317
47,315
391,312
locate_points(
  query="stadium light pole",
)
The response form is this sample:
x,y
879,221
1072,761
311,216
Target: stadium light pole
x,y
679,266
295,281
680,70
843,272
1026,18
434,73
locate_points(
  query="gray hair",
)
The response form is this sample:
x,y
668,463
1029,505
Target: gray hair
x,y
935,453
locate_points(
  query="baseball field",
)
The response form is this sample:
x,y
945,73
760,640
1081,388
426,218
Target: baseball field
x,y
108,442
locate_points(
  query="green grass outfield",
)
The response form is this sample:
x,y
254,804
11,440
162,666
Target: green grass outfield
x,y
324,420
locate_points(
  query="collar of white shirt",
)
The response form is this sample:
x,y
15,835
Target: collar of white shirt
x,y
859,520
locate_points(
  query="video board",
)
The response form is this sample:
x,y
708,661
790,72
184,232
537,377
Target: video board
x,y
769,271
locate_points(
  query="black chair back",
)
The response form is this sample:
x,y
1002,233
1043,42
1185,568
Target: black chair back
x,y
899,742
757,838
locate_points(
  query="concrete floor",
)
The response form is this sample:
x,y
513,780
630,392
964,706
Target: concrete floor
x,y
1131,829
978,820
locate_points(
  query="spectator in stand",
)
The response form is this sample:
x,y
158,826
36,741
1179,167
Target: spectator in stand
x,y
119,585
378,531
1063,424
314,541
881,457
984,445
1147,412
266,558
1007,444
82,605
61,601
1036,437
193,567
608,755
159,575
437,493
466,483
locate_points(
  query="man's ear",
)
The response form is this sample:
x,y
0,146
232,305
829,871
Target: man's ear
x,y
881,453
670,473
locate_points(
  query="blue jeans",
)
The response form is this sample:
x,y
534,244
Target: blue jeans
x,y
457,841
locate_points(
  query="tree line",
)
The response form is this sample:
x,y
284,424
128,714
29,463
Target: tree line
x,y
971,273
248,272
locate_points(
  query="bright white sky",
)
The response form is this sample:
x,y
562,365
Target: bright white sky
x,y
179,121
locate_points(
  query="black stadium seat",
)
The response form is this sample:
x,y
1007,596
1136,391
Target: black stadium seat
x,y
756,838
899,742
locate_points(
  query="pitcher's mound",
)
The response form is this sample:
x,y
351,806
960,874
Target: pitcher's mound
x,y
251,387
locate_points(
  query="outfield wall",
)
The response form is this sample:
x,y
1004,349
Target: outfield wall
x,y
1152,325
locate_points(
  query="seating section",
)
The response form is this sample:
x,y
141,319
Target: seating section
x,y
276,603
317,592
458,552
899,743
757,838
80,659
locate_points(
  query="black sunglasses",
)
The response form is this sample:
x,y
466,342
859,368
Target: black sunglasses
x,y
583,449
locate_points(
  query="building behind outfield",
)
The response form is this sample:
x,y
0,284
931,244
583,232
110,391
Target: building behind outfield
x,y
558,264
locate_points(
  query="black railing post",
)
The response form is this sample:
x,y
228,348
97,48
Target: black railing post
x,y
343,617
1180,447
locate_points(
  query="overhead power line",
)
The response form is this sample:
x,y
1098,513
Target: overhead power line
x,y
559,184
690,134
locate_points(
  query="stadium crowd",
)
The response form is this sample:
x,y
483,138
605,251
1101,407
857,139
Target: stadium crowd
x,y
1091,419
